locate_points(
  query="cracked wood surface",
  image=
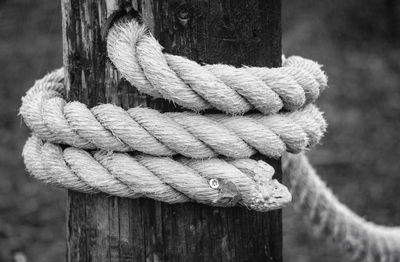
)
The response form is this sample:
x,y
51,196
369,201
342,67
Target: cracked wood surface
x,y
103,228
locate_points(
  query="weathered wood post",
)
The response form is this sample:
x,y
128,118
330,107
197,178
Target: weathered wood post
x,y
104,228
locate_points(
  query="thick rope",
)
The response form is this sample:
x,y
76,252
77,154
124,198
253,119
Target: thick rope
x,y
215,182
146,130
139,59
362,240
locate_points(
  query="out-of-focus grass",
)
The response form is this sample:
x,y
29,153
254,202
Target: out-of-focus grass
x,y
356,40
32,215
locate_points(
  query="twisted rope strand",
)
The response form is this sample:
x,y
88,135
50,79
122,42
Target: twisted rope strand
x,y
141,129
362,240
160,178
140,60
213,181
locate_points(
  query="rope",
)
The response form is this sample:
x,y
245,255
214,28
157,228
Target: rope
x,y
140,60
362,240
176,159
244,181
146,130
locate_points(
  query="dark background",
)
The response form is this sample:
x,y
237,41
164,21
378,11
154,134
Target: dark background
x,y
357,42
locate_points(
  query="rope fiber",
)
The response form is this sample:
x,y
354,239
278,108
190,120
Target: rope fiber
x,y
110,127
178,157
330,219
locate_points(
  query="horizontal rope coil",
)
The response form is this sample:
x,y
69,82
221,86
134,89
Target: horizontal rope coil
x,y
140,60
243,181
146,130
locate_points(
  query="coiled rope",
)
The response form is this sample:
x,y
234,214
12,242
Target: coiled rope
x,y
140,60
213,181
146,130
172,157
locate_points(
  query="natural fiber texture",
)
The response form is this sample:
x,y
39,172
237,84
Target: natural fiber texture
x,y
139,59
247,182
146,130
362,240
213,181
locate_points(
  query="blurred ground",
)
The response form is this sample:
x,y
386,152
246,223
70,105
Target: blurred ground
x,y
357,41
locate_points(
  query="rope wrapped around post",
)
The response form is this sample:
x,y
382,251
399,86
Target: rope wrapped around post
x,y
146,130
140,60
216,182
188,156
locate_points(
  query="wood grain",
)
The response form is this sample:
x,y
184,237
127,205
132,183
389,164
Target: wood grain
x,y
103,228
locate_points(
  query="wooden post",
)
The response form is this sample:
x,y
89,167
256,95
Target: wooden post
x,y
104,228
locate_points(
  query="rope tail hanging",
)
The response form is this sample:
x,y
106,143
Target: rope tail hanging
x,y
329,218
190,156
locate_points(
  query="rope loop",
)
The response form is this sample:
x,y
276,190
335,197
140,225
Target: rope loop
x,y
146,130
185,156
140,59
188,156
